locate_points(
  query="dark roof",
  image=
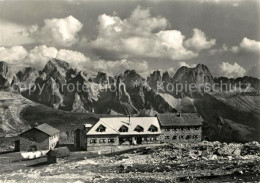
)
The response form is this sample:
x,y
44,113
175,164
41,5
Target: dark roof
x,y
59,152
185,119
45,128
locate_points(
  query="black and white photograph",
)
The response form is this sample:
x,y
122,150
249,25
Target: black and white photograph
x,y
129,91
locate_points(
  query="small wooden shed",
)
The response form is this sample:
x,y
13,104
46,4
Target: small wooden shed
x,y
57,154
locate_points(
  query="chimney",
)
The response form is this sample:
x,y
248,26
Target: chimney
x,y
129,119
35,124
179,114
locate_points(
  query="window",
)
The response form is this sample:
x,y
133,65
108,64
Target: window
x,y
111,141
167,137
174,137
123,128
153,128
138,128
93,141
101,141
101,128
180,137
195,136
32,140
188,137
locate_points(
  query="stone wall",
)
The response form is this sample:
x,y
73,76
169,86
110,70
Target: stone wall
x,y
34,138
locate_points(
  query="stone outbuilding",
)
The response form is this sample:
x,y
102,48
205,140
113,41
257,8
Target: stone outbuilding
x,y
41,137
58,154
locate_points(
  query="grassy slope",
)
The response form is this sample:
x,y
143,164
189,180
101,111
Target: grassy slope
x,y
230,118
62,120
18,114
10,107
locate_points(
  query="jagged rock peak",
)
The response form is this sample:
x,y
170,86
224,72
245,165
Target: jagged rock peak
x,y
132,75
83,75
156,73
4,67
55,64
6,75
130,72
199,74
101,78
26,72
166,77
43,75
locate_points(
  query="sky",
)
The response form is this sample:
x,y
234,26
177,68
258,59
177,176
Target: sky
x,y
112,35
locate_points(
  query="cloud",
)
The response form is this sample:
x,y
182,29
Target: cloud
x,y
55,32
246,45
180,64
13,34
141,36
13,55
117,67
40,55
74,58
250,45
199,41
58,32
221,50
231,70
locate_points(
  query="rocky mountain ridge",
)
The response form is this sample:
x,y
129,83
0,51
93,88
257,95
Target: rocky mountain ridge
x,y
224,112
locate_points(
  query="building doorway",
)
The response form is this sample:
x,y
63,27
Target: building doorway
x,y
77,138
139,140
32,148
17,145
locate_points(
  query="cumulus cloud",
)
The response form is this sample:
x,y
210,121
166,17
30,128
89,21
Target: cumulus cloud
x,y
250,45
60,32
231,70
246,45
180,64
40,55
199,41
13,55
13,34
221,50
55,32
117,67
143,36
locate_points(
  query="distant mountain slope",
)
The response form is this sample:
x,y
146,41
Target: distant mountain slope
x,y
18,114
230,119
11,106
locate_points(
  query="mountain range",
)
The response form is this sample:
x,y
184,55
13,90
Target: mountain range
x,y
230,110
